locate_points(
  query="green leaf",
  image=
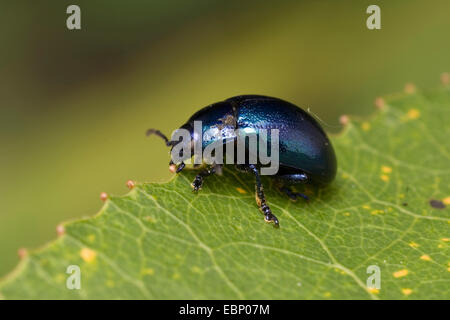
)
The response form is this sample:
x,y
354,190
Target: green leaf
x,y
162,241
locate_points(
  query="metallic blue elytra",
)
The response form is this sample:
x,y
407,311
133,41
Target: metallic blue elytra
x,y
305,152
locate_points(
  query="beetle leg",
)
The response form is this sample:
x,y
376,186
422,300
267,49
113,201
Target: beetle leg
x,y
261,199
293,195
294,178
173,167
180,167
198,181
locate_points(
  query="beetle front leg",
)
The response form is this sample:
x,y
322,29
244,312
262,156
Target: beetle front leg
x,y
173,167
198,181
261,199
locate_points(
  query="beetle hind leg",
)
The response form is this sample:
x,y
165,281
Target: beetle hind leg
x,y
293,195
290,179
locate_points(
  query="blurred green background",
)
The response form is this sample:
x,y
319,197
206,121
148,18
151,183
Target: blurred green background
x,y
74,105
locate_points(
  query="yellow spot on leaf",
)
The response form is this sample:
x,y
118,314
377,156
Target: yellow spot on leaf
x,y
406,291
150,219
365,126
176,276
425,257
414,245
413,114
445,239
60,278
373,290
446,200
340,271
148,271
88,255
91,237
196,269
400,273
366,206
386,169
346,214
240,190
327,294
110,283
377,211
384,177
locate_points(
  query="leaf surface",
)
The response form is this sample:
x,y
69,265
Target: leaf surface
x,y
389,206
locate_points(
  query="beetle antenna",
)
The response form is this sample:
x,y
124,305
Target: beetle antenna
x,y
159,134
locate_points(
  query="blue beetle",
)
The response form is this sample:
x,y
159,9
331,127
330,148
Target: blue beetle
x,y
305,152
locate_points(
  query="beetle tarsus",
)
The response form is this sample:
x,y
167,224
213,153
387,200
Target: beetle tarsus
x,y
272,219
198,181
293,195
269,217
180,167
